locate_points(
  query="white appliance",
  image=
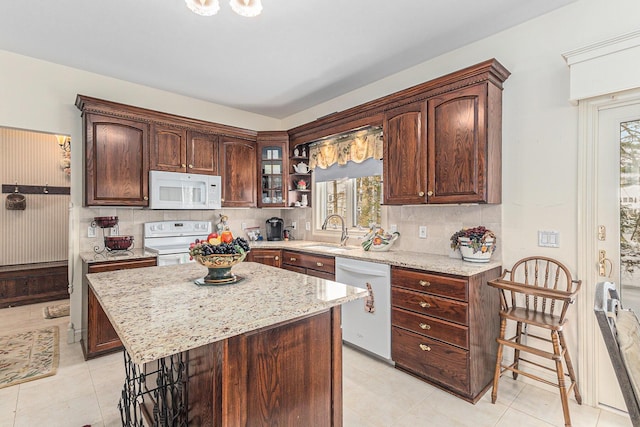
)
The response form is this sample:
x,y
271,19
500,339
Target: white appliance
x,y
170,239
366,323
175,190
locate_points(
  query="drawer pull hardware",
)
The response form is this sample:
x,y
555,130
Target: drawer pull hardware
x,y
424,304
276,257
425,326
425,283
421,194
146,197
293,259
425,347
429,193
190,166
319,264
183,165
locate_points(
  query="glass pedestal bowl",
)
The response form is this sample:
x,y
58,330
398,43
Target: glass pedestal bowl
x,y
219,268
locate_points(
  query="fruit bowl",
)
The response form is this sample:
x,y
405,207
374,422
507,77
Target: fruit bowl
x,y
219,266
118,243
106,221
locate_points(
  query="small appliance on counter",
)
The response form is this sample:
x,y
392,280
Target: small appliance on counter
x,y
275,228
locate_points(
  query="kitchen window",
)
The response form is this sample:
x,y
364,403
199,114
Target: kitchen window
x,y
347,179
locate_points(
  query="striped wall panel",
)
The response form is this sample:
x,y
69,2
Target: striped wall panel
x,y
40,232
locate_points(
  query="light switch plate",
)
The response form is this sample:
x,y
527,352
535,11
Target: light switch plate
x,y
548,239
422,231
307,226
91,232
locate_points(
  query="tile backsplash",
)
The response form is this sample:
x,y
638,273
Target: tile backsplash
x,y
441,222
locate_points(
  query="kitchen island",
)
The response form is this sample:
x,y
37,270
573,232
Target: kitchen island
x,y
264,351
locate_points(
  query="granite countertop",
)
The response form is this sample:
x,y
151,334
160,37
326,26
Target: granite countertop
x,y
160,311
417,260
92,257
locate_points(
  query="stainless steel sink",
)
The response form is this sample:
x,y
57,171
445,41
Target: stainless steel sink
x,y
329,248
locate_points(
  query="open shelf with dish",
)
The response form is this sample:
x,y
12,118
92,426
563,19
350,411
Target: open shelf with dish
x,y
299,177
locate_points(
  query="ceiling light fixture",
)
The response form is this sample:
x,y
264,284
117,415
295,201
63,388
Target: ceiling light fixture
x,y
248,8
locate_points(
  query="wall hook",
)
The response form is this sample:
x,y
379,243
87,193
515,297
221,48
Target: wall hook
x,y
46,190
16,190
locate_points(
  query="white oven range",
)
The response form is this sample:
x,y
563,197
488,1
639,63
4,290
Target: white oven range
x,y
170,239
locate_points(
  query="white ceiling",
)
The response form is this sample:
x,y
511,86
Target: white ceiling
x,y
297,54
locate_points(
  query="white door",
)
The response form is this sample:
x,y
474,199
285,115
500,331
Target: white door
x,y
618,220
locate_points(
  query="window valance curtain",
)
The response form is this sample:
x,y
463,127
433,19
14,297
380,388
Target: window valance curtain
x,y
356,147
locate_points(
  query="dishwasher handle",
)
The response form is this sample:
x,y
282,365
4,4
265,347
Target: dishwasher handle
x,y
361,271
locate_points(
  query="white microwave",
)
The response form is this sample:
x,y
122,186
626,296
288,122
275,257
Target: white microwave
x,y
175,190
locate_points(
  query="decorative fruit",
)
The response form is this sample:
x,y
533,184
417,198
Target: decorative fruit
x,y
215,241
226,236
212,236
235,246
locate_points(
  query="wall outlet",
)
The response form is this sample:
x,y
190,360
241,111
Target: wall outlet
x,y
393,228
422,231
91,232
307,226
243,226
294,225
114,231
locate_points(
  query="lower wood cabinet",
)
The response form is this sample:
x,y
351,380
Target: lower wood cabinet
x,y
272,257
98,335
444,329
32,283
314,265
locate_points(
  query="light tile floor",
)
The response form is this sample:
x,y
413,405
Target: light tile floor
x,y
375,394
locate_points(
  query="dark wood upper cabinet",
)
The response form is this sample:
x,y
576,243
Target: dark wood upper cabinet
x,y
404,131
117,161
180,150
202,153
463,146
168,149
238,168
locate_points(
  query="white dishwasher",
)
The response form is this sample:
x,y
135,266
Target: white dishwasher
x,y
366,323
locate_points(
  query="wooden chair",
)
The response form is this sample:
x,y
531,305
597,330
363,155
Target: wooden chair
x,y
621,332
537,292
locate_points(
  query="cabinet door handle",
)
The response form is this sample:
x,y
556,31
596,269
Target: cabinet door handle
x,y
319,264
425,326
146,197
421,194
424,304
183,165
425,347
293,259
276,258
424,283
190,166
429,193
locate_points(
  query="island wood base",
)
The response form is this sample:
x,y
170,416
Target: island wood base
x,y
289,374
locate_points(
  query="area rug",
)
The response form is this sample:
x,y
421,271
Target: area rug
x,y
28,355
53,311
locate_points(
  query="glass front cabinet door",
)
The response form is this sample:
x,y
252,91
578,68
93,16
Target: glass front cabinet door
x,y
273,163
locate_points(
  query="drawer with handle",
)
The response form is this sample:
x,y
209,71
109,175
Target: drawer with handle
x,y
434,360
443,308
451,333
449,287
314,262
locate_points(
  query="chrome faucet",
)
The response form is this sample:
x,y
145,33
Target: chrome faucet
x,y
344,237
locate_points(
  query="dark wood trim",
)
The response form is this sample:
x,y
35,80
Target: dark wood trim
x,y
370,113
88,104
35,189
